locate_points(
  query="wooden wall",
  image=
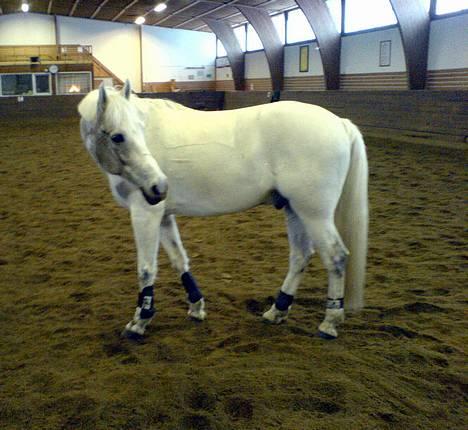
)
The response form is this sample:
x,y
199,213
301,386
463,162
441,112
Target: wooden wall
x,y
157,87
39,106
439,115
450,79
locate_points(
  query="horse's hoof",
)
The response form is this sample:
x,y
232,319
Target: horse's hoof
x,y
326,336
197,310
274,316
132,335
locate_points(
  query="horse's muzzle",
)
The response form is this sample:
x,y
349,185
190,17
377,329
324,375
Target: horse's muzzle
x,y
157,195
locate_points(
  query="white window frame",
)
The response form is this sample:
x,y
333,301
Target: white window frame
x,y
68,73
34,88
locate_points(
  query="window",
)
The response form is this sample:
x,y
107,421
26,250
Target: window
x,y
450,6
253,41
73,83
25,84
334,6
298,28
279,23
17,85
366,14
220,51
240,34
42,84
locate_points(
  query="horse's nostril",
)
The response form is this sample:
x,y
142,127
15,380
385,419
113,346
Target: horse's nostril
x,y
155,190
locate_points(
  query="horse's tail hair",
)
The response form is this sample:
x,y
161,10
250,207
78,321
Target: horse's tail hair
x,y
352,219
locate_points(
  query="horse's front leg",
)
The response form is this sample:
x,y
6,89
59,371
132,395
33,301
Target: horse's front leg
x,y
170,239
146,223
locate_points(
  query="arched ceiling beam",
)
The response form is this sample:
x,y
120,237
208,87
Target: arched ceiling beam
x,y
236,57
414,23
271,41
201,15
328,39
232,15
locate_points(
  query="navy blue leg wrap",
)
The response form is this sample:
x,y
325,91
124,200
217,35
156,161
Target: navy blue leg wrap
x,y
283,301
335,303
190,285
146,303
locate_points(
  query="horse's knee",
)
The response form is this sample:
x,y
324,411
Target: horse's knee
x,y
146,275
335,259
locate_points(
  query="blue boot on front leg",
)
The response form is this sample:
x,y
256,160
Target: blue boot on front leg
x,y
195,297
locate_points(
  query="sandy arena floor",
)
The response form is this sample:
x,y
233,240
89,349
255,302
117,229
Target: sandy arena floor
x,y
68,287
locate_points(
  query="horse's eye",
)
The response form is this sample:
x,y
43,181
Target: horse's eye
x,y
117,138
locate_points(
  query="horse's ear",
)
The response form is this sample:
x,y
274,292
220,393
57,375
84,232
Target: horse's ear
x,y
102,102
127,89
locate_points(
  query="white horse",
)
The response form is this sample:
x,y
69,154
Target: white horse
x,y
163,159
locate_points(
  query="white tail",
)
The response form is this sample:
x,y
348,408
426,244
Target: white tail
x,y
352,219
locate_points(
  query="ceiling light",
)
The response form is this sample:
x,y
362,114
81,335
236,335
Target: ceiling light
x,y
160,7
25,7
140,20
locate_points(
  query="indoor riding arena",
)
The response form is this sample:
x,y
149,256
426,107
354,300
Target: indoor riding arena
x,y
69,280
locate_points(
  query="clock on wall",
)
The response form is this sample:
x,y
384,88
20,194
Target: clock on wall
x,y
53,69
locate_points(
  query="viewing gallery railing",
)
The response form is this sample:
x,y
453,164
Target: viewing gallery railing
x,y
44,54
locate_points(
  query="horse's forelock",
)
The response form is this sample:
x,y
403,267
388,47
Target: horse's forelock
x,y
118,109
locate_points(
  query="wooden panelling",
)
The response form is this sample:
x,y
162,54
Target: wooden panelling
x,y
101,71
39,106
264,84
328,38
274,50
240,99
152,87
374,81
440,115
306,83
46,53
225,85
447,79
42,68
202,100
236,57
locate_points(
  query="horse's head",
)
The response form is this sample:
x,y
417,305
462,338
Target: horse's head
x,y
113,132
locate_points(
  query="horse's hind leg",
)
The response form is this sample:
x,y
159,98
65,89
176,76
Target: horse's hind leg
x,y
300,251
146,228
333,253
170,239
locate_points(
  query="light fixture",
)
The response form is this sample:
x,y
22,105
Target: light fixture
x,y
25,7
160,7
140,20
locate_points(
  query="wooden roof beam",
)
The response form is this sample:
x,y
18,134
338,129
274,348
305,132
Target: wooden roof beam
x,y
414,25
263,25
116,17
328,39
98,9
236,57
73,8
176,12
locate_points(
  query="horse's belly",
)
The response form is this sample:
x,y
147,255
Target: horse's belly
x,y
214,185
